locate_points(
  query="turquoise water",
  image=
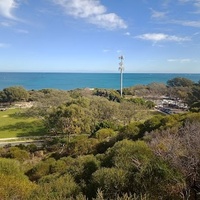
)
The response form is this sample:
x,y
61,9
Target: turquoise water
x,y
69,81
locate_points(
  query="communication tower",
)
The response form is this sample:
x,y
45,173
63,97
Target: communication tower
x,y
121,69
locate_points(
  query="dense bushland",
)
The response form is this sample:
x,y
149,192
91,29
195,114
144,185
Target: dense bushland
x,y
103,146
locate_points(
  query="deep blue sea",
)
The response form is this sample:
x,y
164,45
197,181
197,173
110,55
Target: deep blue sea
x,y
69,81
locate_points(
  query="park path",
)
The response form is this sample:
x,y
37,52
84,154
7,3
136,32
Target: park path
x,y
38,140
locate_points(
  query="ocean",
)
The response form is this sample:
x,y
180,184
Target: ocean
x,y
70,81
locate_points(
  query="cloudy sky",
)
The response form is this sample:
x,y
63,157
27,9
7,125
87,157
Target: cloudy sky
x,y
90,35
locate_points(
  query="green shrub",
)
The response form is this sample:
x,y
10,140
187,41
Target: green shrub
x,y
14,184
105,133
112,181
18,154
56,188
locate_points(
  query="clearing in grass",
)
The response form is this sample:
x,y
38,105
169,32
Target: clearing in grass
x,y
14,124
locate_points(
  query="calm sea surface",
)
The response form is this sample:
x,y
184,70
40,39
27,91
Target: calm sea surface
x,y
69,81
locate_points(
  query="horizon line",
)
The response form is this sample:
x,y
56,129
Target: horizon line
x,y
98,72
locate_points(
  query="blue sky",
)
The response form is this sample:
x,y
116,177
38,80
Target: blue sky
x,y
89,35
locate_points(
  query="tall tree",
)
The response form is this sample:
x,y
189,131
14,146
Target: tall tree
x,y
15,93
180,81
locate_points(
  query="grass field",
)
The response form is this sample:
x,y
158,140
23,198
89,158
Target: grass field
x,y
13,124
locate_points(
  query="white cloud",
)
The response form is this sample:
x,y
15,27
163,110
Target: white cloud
x,y
187,23
182,60
157,14
197,33
7,7
127,33
159,37
119,51
184,1
82,8
22,31
5,24
195,3
109,21
106,50
4,45
93,12
197,6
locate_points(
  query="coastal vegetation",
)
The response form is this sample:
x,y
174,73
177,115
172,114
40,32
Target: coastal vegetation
x,y
99,145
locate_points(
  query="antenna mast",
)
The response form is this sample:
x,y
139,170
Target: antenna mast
x,y
121,69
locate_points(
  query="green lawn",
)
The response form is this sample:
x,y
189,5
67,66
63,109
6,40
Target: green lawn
x,y
13,124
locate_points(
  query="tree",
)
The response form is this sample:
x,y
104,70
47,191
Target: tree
x,y
41,169
138,90
111,95
102,110
179,92
15,93
105,133
112,182
18,154
69,119
156,178
127,111
194,95
82,167
152,123
180,82
14,184
195,107
49,97
130,131
181,150
157,89
3,97
56,187
82,146
144,172
121,155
